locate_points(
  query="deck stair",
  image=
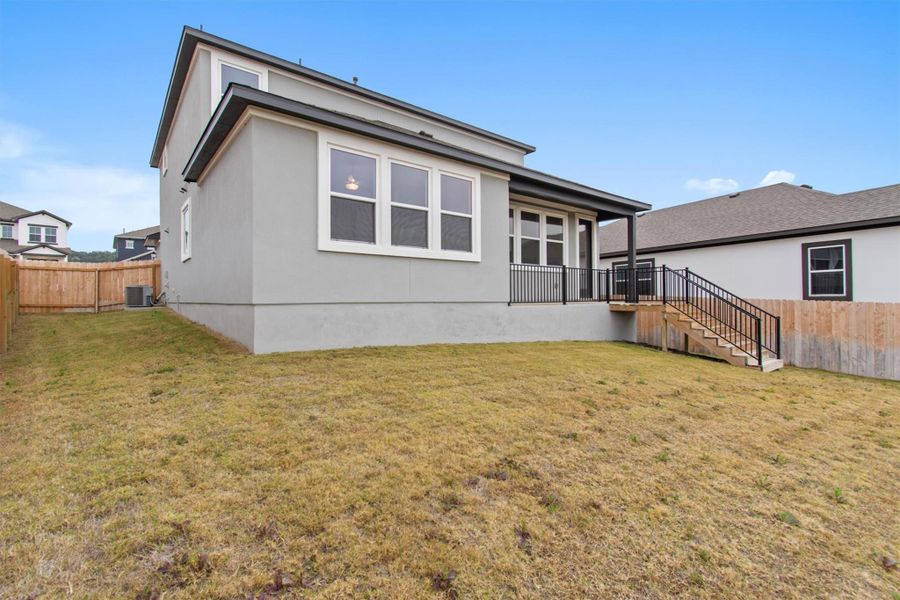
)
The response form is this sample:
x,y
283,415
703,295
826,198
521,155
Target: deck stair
x,y
725,325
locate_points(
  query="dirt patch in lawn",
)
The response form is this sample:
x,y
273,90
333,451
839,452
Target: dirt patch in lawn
x,y
141,457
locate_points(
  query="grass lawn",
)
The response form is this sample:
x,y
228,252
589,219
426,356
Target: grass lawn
x,y
141,457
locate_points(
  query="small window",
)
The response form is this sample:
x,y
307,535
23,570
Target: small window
x,y
6,231
826,270
129,244
49,235
232,74
186,231
456,214
164,161
512,236
554,241
353,195
34,234
409,206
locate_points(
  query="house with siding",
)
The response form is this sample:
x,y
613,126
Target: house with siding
x,y
140,244
33,234
300,211
783,241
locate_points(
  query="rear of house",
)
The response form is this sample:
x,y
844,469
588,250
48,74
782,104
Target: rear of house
x,y
139,244
299,211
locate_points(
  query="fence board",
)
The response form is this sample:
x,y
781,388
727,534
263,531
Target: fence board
x,y
9,300
81,287
860,338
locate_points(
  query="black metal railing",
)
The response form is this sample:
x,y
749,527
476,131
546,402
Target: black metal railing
x,y
744,325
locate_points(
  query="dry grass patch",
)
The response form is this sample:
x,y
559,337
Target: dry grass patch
x,y
141,457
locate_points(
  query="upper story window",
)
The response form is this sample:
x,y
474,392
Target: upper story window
x,y
129,244
384,200
537,236
826,270
34,234
164,161
228,69
6,231
49,235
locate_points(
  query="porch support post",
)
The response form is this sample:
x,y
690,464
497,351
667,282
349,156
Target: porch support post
x,y
631,278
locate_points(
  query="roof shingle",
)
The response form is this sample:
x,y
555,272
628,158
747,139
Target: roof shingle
x,y
768,210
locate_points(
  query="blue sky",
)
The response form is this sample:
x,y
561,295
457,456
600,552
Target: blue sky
x,y
664,102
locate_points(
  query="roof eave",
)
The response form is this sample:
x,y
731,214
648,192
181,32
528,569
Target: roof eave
x,y
239,98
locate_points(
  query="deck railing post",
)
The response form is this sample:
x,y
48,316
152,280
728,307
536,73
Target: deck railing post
x,y
564,284
606,278
664,284
759,348
777,337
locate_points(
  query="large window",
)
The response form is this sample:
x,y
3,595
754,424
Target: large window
x,y
537,237
377,199
826,270
34,234
354,182
187,236
410,200
456,214
49,235
6,231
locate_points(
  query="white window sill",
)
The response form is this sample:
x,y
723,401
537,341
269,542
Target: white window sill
x,y
397,251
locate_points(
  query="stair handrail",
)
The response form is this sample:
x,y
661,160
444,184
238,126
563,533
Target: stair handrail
x,y
754,319
772,340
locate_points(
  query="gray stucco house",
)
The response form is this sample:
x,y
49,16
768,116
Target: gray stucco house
x,y
140,244
300,211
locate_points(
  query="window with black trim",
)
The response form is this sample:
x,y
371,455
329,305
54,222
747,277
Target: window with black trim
x,y
646,282
827,273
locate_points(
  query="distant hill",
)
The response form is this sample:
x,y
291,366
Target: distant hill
x,y
96,256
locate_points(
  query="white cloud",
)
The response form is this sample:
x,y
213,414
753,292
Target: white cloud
x,y
780,176
97,199
714,186
15,141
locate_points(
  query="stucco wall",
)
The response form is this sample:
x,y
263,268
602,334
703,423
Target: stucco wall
x,y
774,268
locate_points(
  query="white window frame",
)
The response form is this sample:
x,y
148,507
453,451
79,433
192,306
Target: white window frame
x,y
543,213
385,155
186,227
379,177
164,161
428,208
842,271
3,227
237,62
129,244
46,238
40,233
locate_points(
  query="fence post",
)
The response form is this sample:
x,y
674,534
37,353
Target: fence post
x,y
565,285
97,290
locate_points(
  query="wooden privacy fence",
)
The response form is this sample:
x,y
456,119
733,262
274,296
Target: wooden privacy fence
x,y
859,338
9,300
81,287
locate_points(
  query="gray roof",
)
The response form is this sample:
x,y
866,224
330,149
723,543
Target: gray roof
x,y
139,234
9,212
190,37
523,180
12,247
775,211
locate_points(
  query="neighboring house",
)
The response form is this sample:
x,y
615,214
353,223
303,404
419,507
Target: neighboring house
x,y
33,235
782,241
140,244
300,211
